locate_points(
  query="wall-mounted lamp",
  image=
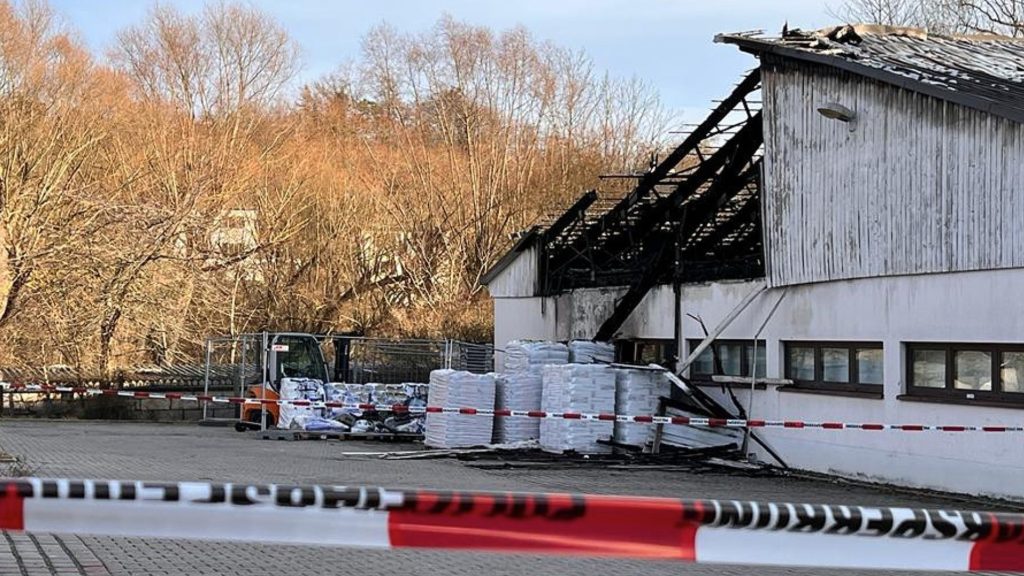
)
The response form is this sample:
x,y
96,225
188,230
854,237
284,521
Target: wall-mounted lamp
x,y
834,111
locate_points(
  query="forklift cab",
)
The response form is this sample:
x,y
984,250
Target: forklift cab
x,y
289,355
295,356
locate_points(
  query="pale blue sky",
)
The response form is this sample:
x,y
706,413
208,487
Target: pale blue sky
x,y
667,43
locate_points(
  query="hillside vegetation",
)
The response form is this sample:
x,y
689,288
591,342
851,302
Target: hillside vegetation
x,y
186,184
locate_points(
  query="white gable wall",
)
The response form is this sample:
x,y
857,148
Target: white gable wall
x,y
518,279
920,185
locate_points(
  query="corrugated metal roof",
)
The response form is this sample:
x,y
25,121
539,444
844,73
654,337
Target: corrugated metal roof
x,y
981,72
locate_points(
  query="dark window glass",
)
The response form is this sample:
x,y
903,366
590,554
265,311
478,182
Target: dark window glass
x,y
966,372
1012,372
705,362
732,359
929,368
800,363
835,364
760,359
735,358
645,352
973,370
869,365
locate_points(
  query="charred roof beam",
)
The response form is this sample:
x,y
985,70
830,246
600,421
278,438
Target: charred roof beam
x,y
736,152
619,215
738,170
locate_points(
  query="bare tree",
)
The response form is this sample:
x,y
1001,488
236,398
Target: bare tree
x,y
51,132
1004,17
490,129
1001,17
231,57
887,12
175,192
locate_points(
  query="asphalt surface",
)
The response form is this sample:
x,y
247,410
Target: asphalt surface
x,y
177,452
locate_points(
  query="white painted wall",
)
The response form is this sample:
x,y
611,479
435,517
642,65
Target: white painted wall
x,y
579,314
952,307
960,307
519,278
528,319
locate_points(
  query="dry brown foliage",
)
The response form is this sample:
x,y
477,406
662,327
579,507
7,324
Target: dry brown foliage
x,y
180,188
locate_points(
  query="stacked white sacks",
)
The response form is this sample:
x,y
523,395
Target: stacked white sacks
x,y
521,355
518,391
637,392
459,389
577,388
590,352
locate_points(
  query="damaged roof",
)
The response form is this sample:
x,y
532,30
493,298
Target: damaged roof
x,y
984,72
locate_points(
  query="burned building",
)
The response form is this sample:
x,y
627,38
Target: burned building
x,y
850,220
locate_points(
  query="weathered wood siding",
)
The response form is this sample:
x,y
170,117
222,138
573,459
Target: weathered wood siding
x,y
920,186
518,279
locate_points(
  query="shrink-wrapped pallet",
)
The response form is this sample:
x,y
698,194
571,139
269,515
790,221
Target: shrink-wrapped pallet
x,y
521,355
291,415
590,352
577,388
459,389
637,393
517,391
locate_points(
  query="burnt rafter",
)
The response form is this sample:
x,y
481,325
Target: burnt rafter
x,y
616,246
734,188
739,170
740,225
702,213
710,127
695,216
572,216
661,250
630,219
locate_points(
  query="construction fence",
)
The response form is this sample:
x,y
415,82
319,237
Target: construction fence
x,y
232,365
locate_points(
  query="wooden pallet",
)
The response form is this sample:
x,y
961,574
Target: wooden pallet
x,y
327,435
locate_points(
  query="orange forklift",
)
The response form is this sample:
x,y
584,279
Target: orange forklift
x,y
288,355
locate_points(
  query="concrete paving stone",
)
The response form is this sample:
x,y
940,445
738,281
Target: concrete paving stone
x,y
175,452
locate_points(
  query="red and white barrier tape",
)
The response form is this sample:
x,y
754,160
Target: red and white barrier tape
x,y
703,531
539,414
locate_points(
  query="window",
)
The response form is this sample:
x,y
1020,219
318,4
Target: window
x,y
734,359
298,356
992,372
645,352
839,366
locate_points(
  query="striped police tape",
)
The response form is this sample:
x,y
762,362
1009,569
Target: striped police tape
x,y
703,531
537,414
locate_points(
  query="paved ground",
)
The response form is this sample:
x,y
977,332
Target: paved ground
x,y
188,452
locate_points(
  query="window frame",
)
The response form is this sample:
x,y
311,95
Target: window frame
x,y
692,343
636,345
819,383
950,391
